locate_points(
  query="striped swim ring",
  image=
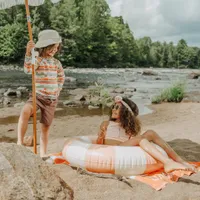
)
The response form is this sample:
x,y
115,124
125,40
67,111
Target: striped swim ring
x,y
120,160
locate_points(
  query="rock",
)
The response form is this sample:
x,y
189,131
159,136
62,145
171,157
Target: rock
x,y
70,79
131,90
68,102
2,91
24,176
12,129
149,73
19,105
119,90
23,89
6,101
79,98
10,92
28,141
90,107
158,78
95,101
194,75
109,104
18,93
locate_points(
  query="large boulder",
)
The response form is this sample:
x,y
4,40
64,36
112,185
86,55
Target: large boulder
x,y
25,176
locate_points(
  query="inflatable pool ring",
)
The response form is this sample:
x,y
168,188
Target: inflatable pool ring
x,y
121,160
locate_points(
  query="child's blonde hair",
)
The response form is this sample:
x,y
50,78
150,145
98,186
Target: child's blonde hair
x,y
43,50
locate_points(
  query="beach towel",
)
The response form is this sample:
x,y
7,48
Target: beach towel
x,y
157,180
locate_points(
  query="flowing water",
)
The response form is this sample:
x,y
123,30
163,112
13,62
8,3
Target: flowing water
x,y
146,86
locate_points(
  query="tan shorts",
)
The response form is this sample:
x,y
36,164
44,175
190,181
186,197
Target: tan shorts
x,y
46,106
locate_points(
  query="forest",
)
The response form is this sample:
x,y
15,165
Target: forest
x,y
91,37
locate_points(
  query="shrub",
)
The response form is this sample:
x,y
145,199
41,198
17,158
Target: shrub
x,y
174,93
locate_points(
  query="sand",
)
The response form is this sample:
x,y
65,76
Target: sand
x,y
176,123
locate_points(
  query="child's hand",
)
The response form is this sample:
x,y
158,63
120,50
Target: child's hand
x,y
29,47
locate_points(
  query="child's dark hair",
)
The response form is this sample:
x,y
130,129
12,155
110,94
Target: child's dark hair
x,y
129,121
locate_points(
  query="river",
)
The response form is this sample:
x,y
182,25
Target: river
x,y
146,86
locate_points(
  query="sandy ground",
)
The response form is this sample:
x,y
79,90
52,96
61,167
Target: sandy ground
x,y
176,123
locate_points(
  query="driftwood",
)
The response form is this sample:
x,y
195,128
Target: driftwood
x,y
106,176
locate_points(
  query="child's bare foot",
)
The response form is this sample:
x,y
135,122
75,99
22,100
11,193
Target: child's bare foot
x,y
190,166
172,165
20,143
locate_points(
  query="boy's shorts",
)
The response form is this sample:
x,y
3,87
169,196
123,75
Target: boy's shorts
x,y
46,106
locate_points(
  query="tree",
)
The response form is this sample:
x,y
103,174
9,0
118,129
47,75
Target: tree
x,y
64,19
122,46
144,46
91,37
181,56
12,42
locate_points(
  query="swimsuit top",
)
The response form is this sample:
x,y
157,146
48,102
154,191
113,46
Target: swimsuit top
x,y
116,132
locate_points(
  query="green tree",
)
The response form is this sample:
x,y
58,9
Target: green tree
x,y
91,37
171,56
64,19
12,42
122,45
144,46
181,53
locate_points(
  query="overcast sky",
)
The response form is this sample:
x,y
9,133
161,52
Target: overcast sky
x,y
163,20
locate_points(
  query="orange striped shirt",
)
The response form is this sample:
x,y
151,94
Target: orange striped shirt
x,y
49,76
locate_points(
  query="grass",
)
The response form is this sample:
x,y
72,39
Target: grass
x,y
175,93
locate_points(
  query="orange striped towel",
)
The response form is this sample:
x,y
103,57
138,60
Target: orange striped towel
x,y
157,180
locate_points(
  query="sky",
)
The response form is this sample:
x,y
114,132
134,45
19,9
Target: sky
x,y
162,20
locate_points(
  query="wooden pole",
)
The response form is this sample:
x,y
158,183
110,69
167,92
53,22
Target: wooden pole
x,y
33,80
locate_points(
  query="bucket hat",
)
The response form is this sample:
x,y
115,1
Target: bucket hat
x,y
47,37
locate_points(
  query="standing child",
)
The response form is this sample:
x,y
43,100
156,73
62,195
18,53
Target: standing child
x,y
49,79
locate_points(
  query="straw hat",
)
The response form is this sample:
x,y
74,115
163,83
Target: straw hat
x,y
47,37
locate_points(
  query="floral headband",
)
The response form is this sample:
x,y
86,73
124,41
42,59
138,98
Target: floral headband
x,y
118,99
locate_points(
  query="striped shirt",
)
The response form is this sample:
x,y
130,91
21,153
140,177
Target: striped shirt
x,y
49,76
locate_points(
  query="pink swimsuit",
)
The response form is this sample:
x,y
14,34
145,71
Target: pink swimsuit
x,y
115,132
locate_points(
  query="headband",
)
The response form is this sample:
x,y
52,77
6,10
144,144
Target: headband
x,y
118,99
